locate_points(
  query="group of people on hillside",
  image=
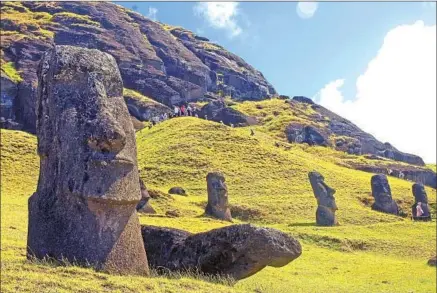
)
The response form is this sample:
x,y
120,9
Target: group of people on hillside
x,y
185,111
177,112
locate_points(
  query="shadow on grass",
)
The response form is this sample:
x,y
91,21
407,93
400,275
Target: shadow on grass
x,y
302,224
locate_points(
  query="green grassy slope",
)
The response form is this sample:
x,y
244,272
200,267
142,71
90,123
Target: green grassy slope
x,y
267,186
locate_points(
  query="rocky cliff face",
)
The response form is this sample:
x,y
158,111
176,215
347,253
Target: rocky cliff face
x,y
170,65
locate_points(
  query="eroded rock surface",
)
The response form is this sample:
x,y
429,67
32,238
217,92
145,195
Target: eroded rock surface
x,y
84,206
237,251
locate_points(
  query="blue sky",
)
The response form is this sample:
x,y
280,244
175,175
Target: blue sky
x,y
351,57
298,56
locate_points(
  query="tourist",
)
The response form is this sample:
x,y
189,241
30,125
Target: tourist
x,y
189,110
419,211
183,110
176,111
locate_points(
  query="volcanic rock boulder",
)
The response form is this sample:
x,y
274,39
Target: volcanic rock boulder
x,y
299,133
420,208
84,206
325,214
382,193
218,206
217,111
144,205
237,251
177,190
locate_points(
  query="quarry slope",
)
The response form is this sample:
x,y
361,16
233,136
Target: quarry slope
x,y
267,186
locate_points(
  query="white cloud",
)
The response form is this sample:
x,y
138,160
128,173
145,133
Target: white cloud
x,y
152,13
396,95
220,15
306,9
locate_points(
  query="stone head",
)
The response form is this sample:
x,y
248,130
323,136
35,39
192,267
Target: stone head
x,y
419,193
216,183
85,135
323,193
380,188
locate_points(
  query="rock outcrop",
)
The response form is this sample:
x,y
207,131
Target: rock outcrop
x,y
218,201
84,206
420,209
177,190
218,112
381,192
326,206
236,251
325,128
168,64
298,133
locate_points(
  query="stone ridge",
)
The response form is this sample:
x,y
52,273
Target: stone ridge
x,y
170,65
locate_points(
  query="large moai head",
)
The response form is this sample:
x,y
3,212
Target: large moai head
x,y
419,193
84,207
323,193
382,193
217,196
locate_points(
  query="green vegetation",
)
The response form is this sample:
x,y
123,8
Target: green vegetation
x,y
267,186
74,18
138,96
19,18
274,115
432,167
9,69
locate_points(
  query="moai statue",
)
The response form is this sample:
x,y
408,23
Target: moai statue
x,y
382,193
217,206
144,205
325,214
84,207
420,208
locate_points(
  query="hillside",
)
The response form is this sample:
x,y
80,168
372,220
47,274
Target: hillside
x,y
168,64
267,186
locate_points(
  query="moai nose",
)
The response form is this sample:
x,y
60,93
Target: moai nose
x,y
107,136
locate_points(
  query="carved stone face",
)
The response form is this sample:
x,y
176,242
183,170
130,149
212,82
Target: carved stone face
x,y
381,189
217,188
323,193
420,193
93,150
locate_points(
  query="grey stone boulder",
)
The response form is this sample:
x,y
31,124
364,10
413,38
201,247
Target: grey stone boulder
x,y
177,190
218,111
84,207
299,133
236,251
303,99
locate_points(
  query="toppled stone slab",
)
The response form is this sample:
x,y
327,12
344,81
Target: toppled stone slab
x,y
237,251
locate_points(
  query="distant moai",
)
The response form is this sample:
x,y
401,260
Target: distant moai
x,y
381,192
217,206
420,209
84,207
326,206
144,205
